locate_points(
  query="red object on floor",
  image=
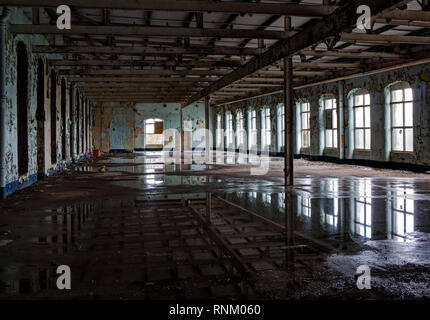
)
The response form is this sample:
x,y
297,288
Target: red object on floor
x,y
97,153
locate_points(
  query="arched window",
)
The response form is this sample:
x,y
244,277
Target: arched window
x,y
330,121
71,111
22,101
229,129
281,113
402,124
40,117
219,131
63,119
305,124
267,129
240,128
253,128
53,117
362,133
78,123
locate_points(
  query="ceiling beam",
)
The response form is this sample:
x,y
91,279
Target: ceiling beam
x,y
140,63
342,19
139,79
412,15
352,54
381,38
129,50
187,5
127,72
148,31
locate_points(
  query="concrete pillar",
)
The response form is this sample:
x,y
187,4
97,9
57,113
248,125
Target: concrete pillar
x,y
289,131
317,127
380,130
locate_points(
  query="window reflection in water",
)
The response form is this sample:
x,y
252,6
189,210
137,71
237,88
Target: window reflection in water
x,y
304,205
402,213
267,197
330,208
151,178
363,210
281,201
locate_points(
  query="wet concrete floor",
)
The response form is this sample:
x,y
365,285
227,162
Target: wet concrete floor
x,y
131,226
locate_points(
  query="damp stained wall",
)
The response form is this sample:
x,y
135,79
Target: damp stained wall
x,y
121,127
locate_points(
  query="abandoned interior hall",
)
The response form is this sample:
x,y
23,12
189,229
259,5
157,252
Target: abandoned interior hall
x,y
202,149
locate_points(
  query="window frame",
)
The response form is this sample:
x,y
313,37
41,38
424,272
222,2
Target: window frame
x,y
366,129
404,127
307,131
334,129
267,131
240,128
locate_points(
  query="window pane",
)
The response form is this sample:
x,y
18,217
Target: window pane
x,y
328,139
397,112
367,139
359,118
305,121
409,122
268,138
334,119
408,94
359,139
410,223
398,139
409,140
335,138
150,128
396,95
367,117
367,99
358,100
329,104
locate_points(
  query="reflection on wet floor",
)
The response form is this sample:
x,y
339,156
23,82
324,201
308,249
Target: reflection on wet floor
x,y
210,240
360,209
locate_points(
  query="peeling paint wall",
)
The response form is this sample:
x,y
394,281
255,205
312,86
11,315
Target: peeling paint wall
x,y
194,125
13,181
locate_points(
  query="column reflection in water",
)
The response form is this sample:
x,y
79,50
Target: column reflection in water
x,y
289,227
402,213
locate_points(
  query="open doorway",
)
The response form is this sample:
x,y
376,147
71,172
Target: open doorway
x,y
40,117
22,101
154,134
